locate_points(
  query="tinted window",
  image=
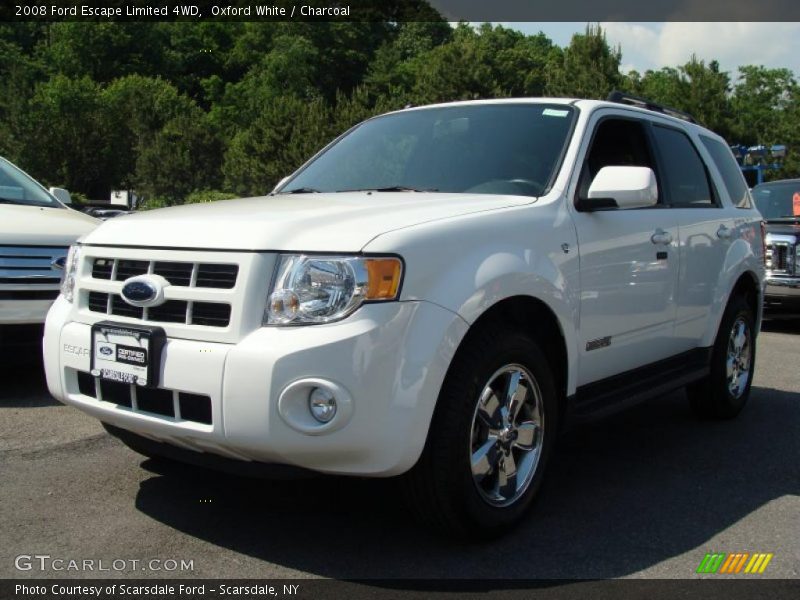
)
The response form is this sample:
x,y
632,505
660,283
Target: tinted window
x,y
686,181
730,171
483,149
780,199
616,143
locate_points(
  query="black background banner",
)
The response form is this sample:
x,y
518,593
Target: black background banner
x,y
716,588
403,10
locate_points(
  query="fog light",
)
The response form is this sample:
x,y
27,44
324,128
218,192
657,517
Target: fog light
x,y
322,405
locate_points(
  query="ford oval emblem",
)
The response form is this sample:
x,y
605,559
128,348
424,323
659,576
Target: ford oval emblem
x,y
106,351
139,292
59,263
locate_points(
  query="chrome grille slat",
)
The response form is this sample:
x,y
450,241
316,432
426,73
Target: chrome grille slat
x,y
30,265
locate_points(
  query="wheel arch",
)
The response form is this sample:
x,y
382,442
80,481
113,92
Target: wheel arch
x,y
538,320
748,285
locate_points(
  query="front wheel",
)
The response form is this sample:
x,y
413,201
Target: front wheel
x,y
724,392
490,438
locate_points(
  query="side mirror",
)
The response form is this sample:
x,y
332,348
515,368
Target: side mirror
x,y
61,195
622,187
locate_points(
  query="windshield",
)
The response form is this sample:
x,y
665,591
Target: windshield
x,y
18,188
778,200
479,149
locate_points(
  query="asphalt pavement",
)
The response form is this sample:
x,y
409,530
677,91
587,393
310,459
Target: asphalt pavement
x,y
643,494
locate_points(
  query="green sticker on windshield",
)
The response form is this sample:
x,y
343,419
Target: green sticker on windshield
x,y
554,112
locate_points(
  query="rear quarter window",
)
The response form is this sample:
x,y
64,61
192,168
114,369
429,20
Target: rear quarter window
x,y
729,170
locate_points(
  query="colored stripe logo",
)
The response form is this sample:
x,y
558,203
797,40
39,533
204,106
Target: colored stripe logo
x,y
736,562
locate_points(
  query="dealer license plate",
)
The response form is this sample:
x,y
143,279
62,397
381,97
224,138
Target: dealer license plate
x,y
126,354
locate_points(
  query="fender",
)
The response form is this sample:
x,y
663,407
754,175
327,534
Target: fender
x,y
468,264
739,259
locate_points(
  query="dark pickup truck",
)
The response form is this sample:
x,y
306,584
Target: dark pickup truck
x,y
779,204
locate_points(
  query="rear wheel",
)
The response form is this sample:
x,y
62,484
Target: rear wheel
x,y
724,392
490,438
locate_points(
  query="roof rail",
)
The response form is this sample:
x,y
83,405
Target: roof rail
x,y
623,98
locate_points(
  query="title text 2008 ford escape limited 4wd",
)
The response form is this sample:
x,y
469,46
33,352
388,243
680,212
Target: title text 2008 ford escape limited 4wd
x,y
433,295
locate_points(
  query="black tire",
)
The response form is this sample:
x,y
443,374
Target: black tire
x,y
712,397
440,487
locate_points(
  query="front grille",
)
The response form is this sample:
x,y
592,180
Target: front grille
x,y
210,314
122,309
183,274
130,268
217,276
154,401
172,311
98,302
30,265
780,259
175,272
29,295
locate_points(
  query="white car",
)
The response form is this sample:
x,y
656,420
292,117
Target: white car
x,y
36,230
435,295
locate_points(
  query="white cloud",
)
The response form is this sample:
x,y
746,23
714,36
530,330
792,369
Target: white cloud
x,y
656,45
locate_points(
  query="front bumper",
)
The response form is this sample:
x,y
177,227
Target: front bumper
x,y
19,307
782,292
388,360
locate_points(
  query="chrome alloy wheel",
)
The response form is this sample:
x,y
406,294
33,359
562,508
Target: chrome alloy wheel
x,y
739,360
507,435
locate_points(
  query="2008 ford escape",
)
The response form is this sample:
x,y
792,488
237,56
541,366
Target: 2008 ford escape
x,y
434,295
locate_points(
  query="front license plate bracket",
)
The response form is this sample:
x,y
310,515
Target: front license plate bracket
x,y
127,353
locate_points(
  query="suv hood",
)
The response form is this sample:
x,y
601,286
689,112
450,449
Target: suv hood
x,y
42,226
342,222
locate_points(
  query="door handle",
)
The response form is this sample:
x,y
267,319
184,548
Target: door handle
x,y
723,233
661,237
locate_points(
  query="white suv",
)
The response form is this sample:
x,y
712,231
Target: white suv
x,y
436,294
36,230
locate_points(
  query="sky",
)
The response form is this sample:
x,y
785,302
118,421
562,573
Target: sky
x,y
655,45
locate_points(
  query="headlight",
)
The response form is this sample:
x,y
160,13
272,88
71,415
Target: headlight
x,y
323,289
70,271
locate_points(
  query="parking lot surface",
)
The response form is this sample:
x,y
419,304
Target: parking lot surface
x,y
645,493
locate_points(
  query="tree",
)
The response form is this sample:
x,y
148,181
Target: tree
x,y
588,67
760,101
286,133
67,137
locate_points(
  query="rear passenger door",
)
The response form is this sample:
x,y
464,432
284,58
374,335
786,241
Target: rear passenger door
x,y
703,229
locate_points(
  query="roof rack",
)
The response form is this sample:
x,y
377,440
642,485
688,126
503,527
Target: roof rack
x,y
623,98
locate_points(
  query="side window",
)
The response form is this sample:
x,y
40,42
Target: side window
x,y
729,170
686,179
616,143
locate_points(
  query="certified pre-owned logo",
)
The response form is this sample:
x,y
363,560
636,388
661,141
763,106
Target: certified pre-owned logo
x,y
144,290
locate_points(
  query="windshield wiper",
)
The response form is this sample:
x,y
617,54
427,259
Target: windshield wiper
x,y
10,201
391,188
302,190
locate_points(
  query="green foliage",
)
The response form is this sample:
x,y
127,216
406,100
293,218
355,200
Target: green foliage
x,y
588,67
201,196
287,132
178,111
